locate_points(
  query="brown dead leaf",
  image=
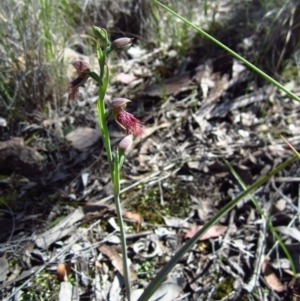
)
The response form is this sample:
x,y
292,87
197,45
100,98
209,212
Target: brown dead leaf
x,y
134,217
98,265
125,78
293,286
170,86
271,277
214,231
296,297
116,260
83,137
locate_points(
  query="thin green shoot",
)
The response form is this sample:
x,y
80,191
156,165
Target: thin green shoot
x,y
262,213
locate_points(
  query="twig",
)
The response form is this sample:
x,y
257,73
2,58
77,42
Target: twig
x,y
259,259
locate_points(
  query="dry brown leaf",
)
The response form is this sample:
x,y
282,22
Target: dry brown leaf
x,y
170,86
271,277
294,287
134,217
98,265
116,260
83,137
214,231
296,297
125,78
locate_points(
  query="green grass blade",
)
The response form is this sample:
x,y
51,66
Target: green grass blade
x,y
262,213
116,184
234,54
104,85
185,248
102,121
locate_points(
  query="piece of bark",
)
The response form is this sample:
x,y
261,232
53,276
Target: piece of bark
x,y
83,137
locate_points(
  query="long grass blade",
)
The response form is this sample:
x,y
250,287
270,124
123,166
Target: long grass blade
x,y
153,286
234,54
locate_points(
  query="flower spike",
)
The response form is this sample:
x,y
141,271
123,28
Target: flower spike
x,y
125,143
126,120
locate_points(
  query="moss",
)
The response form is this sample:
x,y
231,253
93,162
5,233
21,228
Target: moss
x,y
146,267
290,72
224,288
8,198
175,202
43,286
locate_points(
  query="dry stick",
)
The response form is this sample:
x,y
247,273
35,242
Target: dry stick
x,y
287,179
145,179
259,259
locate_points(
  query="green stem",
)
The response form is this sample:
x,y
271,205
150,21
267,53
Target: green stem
x,y
262,213
102,63
102,121
116,183
103,80
105,134
121,159
234,54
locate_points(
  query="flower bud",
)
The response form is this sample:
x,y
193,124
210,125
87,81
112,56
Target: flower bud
x,y
121,44
101,34
125,143
119,103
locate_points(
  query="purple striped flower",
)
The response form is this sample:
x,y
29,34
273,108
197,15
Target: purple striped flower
x,y
83,70
126,120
